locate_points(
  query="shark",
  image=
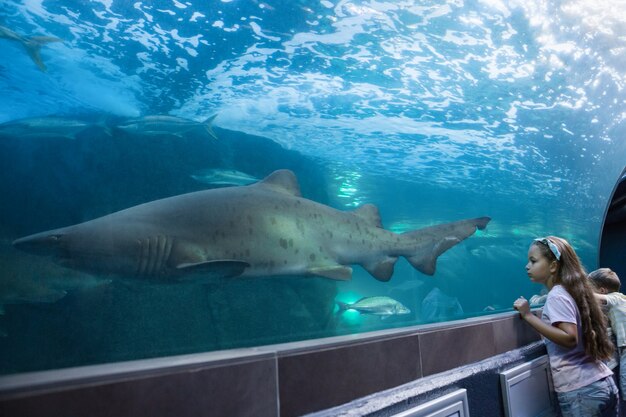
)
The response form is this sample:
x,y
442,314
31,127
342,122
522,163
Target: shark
x,y
263,229
32,44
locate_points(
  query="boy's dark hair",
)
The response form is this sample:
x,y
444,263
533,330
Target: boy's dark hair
x,y
605,278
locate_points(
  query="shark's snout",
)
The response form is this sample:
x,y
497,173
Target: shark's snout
x,y
40,244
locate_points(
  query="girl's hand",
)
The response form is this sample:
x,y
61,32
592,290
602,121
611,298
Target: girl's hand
x,y
521,305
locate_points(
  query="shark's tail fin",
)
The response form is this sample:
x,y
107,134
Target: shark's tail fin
x,y
33,46
207,126
102,122
435,240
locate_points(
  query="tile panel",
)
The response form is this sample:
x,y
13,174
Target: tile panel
x,y
321,379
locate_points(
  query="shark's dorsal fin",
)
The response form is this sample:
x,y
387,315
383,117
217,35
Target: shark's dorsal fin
x,y
282,181
370,214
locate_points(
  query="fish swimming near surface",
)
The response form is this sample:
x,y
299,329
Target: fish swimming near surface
x,y
48,127
227,177
380,306
262,229
164,125
32,44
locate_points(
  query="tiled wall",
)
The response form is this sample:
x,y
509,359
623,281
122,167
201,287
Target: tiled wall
x,y
280,380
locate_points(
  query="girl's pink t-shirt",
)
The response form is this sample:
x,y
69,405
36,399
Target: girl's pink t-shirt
x,y
571,368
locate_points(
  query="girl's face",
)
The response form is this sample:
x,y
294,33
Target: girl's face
x,y
539,268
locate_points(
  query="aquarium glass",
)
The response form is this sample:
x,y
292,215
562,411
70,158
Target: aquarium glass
x,y
432,111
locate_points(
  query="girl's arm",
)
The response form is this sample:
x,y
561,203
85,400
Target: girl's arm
x,y
601,298
563,334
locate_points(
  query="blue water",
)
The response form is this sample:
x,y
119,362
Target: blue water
x,y
434,111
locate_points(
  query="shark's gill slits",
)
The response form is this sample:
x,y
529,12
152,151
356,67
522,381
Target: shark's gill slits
x,y
153,255
164,249
143,257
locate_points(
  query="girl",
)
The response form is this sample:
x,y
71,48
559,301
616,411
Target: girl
x,y
573,328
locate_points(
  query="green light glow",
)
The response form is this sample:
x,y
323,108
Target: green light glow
x,y
349,317
348,297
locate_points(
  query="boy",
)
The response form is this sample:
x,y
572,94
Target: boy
x,y
606,284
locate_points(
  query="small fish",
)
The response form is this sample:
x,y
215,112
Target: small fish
x,y
227,177
47,127
380,306
164,125
32,44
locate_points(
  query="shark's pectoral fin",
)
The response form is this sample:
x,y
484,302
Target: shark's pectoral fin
x,y
338,272
382,270
222,268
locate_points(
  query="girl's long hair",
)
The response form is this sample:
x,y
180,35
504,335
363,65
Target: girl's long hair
x,y
573,277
